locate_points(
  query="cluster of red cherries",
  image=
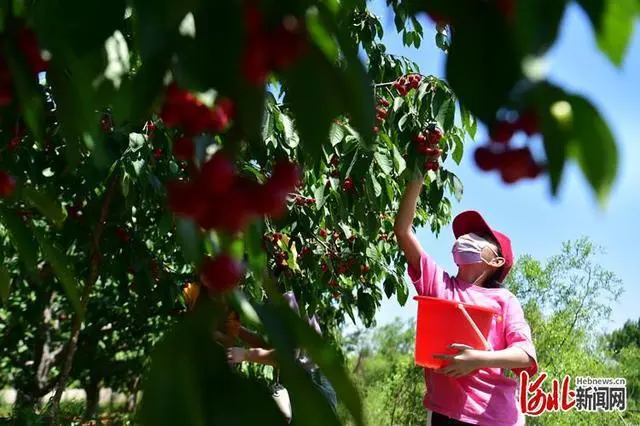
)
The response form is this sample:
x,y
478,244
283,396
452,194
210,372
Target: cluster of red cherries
x,y
513,163
267,50
404,84
217,197
428,144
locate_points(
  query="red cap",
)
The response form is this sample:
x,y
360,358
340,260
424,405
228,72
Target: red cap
x,y
472,222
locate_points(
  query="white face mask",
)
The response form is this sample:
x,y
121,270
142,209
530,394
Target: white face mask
x,y
468,249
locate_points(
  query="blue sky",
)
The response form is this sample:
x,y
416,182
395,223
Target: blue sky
x,y
536,222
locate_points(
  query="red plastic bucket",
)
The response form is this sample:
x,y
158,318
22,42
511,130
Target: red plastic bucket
x,y
442,322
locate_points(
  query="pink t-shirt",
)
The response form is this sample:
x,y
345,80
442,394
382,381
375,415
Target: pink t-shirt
x,y
486,397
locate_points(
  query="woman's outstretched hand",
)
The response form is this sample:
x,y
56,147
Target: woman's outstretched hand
x,y
236,355
465,362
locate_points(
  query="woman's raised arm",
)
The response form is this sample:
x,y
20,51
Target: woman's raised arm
x,y
403,226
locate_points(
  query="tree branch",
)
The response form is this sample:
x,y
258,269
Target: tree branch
x,y
95,259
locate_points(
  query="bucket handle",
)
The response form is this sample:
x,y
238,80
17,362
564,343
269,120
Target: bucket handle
x,y
475,328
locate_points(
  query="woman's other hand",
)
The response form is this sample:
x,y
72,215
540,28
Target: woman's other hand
x,y
465,362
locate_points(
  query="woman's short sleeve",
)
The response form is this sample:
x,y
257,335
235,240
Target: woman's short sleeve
x,y
518,334
429,278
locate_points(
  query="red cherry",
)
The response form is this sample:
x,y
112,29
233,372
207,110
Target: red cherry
x,y
157,153
324,267
222,273
270,200
151,128
122,234
431,165
376,129
13,143
433,152
226,105
217,174
501,132
528,122
383,102
183,148
485,158
381,112
286,175
7,185
323,233
364,269
171,115
347,185
197,118
507,8
219,119
186,199
255,61
435,135
333,283
252,18
6,95
420,138
287,43
229,212
517,164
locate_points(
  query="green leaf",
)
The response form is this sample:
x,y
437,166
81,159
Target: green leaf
x,y
190,240
336,134
444,108
613,22
458,149
253,243
319,195
483,64
384,162
389,286
442,41
136,141
63,270
468,122
47,205
403,120
538,25
75,33
377,188
555,128
290,135
594,147
5,284
321,36
455,185
402,291
399,162
398,102
22,238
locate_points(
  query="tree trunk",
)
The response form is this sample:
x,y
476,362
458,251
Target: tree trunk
x,y
72,345
132,400
92,403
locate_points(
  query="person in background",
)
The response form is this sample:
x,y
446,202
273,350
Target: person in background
x,y
471,389
260,352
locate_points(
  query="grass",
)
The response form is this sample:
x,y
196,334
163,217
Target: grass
x,y
71,415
